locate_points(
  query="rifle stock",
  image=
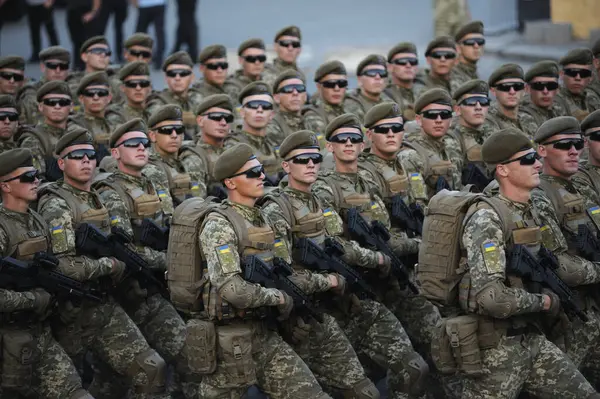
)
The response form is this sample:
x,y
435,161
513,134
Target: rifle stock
x,y
154,236
408,219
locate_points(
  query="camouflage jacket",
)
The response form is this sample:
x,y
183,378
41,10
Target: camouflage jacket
x,y
579,106
74,79
541,115
587,182
405,98
41,144
100,127
461,74
6,145
357,104
188,104
496,120
272,70
283,124
207,89
201,160
27,102
265,149
130,113
432,82
237,81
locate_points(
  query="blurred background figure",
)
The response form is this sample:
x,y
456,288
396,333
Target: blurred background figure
x,y
118,8
187,30
40,12
152,12
450,16
81,16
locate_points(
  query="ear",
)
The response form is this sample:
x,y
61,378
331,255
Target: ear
x,y
361,146
43,67
229,184
152,136
271,115
360,80
61,163
109,97
428,59
390,67
493,91
542,150
40,105
419,120
286,166
276,98
329,146
200,120
241,60
114,152
562,74
369,134
81,100
84,57
202,68
501,170
586,141
596,62
457,110
527,89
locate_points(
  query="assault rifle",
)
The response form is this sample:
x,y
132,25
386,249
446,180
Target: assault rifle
x,y
586,243
473,174
409,218
154,236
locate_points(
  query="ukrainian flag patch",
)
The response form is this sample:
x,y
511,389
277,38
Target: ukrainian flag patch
x,y
224,249
114,220
594,210
327,212
415,176
374,205
195,185
162,193
489,247
278,243
57,229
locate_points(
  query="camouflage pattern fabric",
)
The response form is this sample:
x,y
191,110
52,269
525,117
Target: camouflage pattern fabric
x,y
294,122
496,120
461,74
356,103
38,149
188,104
434,82
541,115
450,16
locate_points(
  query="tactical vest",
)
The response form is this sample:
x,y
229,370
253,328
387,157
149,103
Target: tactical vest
x,y
209,158
364,103
181,185
593,176
282,124
393,182
47,141
433,167
319,110
23,243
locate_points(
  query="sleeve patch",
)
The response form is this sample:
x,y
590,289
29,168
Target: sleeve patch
x,y
227,260
59,239
58,229
114,220
491,257
162,194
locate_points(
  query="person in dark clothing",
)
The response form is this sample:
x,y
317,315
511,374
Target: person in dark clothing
x,y
118,8
153,12
40,12
81,15
187,30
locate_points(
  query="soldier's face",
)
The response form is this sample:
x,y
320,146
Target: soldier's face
x,y
97,57
558,162
244,186
469,49
285,49
471,115
576,84
257,118
216,129
404,72
291,102
332,95
508,99
138,53
167,143
373,85
542,98
593,145
386,143
80,170
55,113
138,94
131,157
7,127
434,127
93,102
179,84
526,177
17,189
55,69
306,174
9,83
252,67
214,76
441,66
347,151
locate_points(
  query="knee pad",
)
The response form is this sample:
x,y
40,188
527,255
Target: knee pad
x,y
364,389
148,372
415,370
81,394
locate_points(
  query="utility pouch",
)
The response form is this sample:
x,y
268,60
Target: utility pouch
x,y
441,351
200,349
19,354
235,354
462,331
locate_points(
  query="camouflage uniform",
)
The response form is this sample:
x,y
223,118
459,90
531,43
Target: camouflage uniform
x,y
357,104
496,120
207,89
404,97
52,374
579,105
318,115
595,85
541,115
27,102
236,82
461,74
587,182
273,70
41,144
431,82
201,160
264,147
283,124
450,16
130,113
6,145
100,127
114,82
187,104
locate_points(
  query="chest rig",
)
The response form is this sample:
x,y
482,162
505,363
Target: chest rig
x,y
181,184
392,181
434,167
24,241
266,156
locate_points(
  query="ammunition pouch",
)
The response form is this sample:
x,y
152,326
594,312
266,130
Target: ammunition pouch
x,y
200,350
153,367
235,354
19,355
457,342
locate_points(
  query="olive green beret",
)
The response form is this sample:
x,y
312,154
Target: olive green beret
x,y
95,78
8,101
437,96
345,120
14,159
503,144
289,31
471,27
596,48
180,58
558,125
212,51
231,160
12,62
591,121
216,100
74,136
55,53
167,112
372,59
134,125
381,111
438,42
475,86
285,75
547,69
506,71
581,56
135,68
335,67
139,39
254,89
53,87
91,41
251,43
404,47
298,140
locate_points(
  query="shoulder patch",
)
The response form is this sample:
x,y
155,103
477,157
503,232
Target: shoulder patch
x,y
227,260
491,257
58,239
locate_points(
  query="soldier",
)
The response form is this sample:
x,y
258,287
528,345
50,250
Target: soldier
x,y
12,74
471,43
587,180
213,67
595,85
138,47
576,75
252,59
288,47
9,122
441,55
113,338
33,363
403,65
508,86
504,308
449,16
136,86
372,76
179,76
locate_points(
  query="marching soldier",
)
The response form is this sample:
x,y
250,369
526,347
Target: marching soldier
x,y
403,66
9,122
441,57
576,75
138,47
213,67
12,74
471,44
136,85
288,46
252,58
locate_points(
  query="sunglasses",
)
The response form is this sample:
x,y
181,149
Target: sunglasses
x,y
540,86
505,87
525,160
169,129
17,77
172,73
216,65
473,101
256,104
253,58
78,155
566,144
406,61
435,113
95,92
252,173
594,136
100,51
438,55
56,65
287,43
11,116
135,142
133,84
140,53
304,159
374,72
332,84
219,116
27,177
385,128
573,72
473,41
53,102
342,138
289,89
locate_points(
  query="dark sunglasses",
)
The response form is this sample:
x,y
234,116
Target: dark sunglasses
x,y
287,43
385,128
304,159
168,130
573,72
219,116
140,53
473,41
95,92
540,86
135,142
100,51
53,102
566,144
133,84
252,173
11,116
594,136
55,65
505,87
172,73
406,61
255,104
17,77
342,138
78,155
434,113
473,101
216,65
288,89
374,72
27,177
526,160
438,55
253,58
332,84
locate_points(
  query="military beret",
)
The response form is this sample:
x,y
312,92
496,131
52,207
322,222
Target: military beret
x,y
438,42
212,51
134,125
254,89
139,39
381,111
471,27
95,78
345,120
14,159
167,112
591,121
596,48
74,136
437,96
216,100
53,87
8,101
542,68
298,140
506,71
289,31
558,125
581,56
91,41
285,75
251,43
372,59
55,53
180,58
503,144
404,47
12,62
475,86
139,68
231,160
335,67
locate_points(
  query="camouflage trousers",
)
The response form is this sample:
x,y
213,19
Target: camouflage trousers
x,y
582,343
530,363
51,373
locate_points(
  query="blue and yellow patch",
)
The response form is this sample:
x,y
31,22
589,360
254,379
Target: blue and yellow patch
x,y
114,220
374,205
278,243
327,212
594,210
489,247
224,249
162,193
415,176
195,185
57,229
